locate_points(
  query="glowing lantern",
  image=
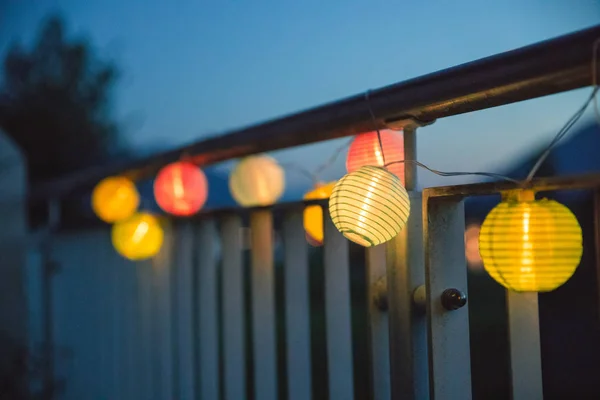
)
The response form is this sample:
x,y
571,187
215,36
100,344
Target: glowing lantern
x,y
138,237
472,248
365,150
313,215
257,181
530,245
115,199
181,188
312,242
369,206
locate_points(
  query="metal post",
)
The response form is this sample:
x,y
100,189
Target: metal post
x,y
410,154
232,292
378,317
263,305
524,340
297,308
448,319
337,313
208,306
405,272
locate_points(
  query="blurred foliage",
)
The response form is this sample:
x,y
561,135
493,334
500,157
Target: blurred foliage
x,y
54,103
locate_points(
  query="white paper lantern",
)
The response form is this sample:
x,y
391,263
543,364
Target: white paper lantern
x,y
369,206
257,181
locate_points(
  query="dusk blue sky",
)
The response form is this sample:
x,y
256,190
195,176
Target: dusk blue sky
x,y
196,68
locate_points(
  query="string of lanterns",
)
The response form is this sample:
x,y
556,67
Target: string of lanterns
x,y
525,244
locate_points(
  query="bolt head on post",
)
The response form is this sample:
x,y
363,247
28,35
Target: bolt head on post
x,y
453,299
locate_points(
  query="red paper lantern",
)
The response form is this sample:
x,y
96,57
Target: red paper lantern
x,y
365,150
181,189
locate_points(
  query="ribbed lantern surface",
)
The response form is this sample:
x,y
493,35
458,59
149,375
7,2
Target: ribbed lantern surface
x,y
530,245
369,206
366,150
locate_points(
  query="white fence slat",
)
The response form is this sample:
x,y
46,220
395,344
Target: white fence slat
x,y
185,343
233,309
408,325
525,351
208,334
263,306
146,333
379,327
297,307
337,313
448,331
163,364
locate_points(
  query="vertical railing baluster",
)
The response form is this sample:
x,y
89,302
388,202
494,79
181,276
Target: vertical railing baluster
x,y
162,321
408,326
128,322
524,341
379,329
297,307
146,332
184,343
337,313
115,311
405,273
263,306
233,309
208,333
445,268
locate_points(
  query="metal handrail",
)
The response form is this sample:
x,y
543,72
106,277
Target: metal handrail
x,y
553,66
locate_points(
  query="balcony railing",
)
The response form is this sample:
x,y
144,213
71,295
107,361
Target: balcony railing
x,y
176,327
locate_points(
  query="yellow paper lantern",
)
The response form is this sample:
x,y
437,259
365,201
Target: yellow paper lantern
x,y
313,215
369,206
115,199
530,245
139,237
257,181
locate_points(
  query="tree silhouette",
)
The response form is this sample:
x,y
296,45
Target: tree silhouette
x,y
54,103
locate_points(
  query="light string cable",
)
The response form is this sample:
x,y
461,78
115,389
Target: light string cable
x,y
314,176
565,129
419,164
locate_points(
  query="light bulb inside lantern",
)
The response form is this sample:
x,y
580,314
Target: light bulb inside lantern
x,y
369,206
313,215
530,245
139,237
181,189
365,149
115,198
257,181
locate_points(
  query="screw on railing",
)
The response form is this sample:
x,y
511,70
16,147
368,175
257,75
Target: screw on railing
x,y
453,299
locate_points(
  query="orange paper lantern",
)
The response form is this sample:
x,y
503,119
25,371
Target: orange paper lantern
x,y
365,150
115,199
313,215
312,241
181,189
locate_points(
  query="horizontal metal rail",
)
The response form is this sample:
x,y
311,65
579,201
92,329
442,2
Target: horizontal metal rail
x,y
549,184
553,66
